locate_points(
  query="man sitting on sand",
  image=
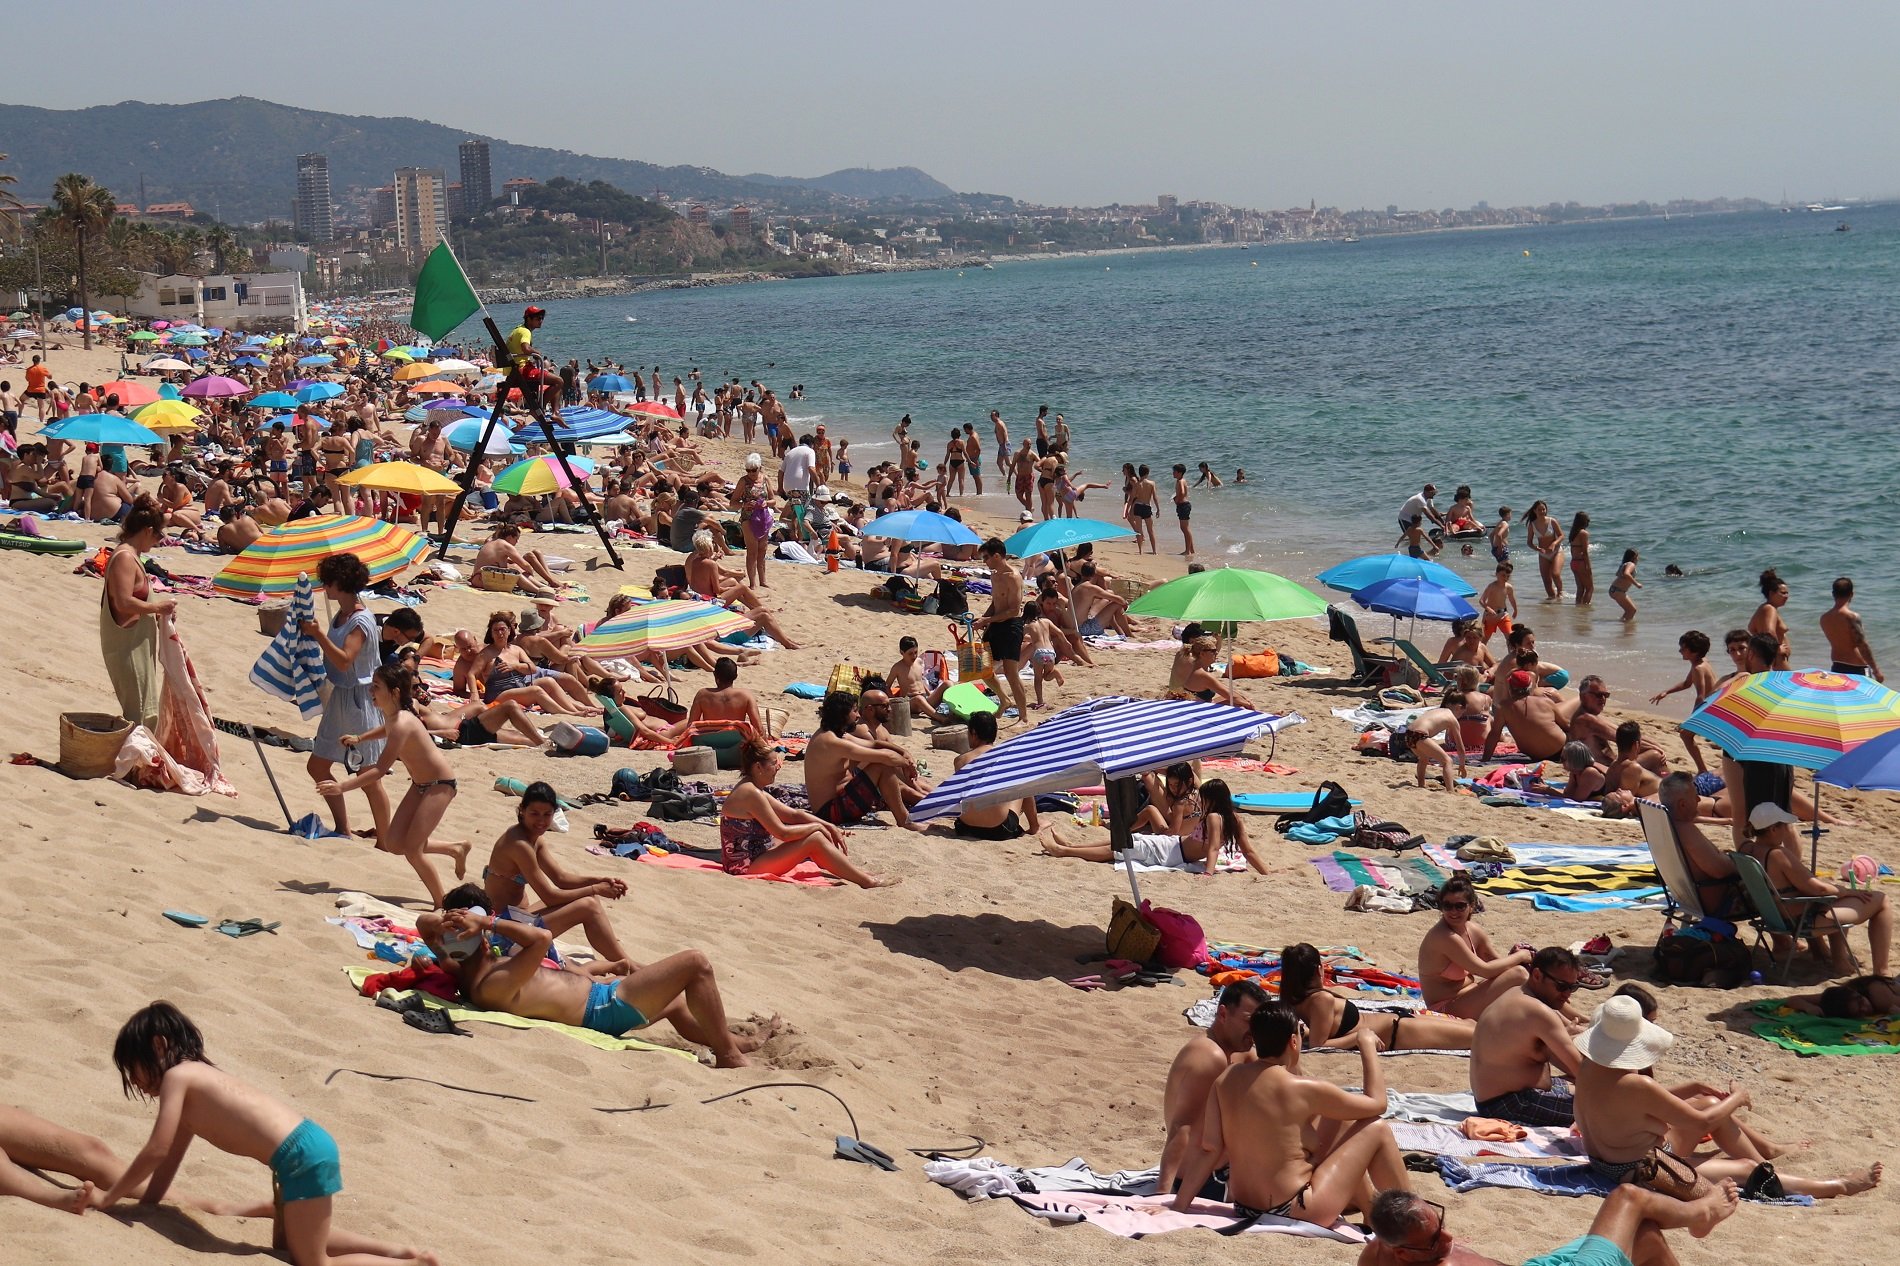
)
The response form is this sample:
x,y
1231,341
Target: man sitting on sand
x,y
679,989
1297,1147
1519,1037
1624,1113
1633,770
1409,1230
1226,1042
848,778
723,705
501,556
998,822
1586,724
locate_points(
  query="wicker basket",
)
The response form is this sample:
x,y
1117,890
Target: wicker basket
x,y
496,581
270,619
89,742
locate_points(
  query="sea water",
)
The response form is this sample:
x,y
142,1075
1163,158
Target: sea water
x,y
1718,392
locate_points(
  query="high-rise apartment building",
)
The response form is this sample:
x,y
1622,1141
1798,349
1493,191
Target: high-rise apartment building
x,y
312,215
478,188
422,212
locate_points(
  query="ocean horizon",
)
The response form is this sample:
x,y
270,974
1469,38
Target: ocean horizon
x,y
1684,381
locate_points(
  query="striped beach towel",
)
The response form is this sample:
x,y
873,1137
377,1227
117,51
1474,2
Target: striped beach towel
x,y
291,667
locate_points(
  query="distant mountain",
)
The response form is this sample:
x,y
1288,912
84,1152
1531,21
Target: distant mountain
x,y
896,184
237,158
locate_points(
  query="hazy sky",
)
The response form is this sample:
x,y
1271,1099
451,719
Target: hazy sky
x,y
1263,104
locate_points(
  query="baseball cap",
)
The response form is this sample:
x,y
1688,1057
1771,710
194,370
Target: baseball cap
x,y
1025,517
1521,680
1768,814
533,311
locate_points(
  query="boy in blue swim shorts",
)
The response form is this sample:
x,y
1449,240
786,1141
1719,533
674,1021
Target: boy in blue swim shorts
x,y
160,1055
1409,1230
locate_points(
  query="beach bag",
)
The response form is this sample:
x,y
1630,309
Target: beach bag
x,y
974,661
1329,801
1131,936
1265,664
1695,957
846,677
776,720
661,706
1368,832
1182,943
951,600
679,806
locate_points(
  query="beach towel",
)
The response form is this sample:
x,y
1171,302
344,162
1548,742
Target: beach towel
x,y
1365,716
1324,831
1818,1035
805,690
1590,903
1439,1139
1554,1180
184,719
466,1014
1564,880
806,873
1249,765
1345,966
291,667
1137,1217
1275,801
1344,871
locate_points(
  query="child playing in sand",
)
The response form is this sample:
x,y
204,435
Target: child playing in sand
x,y
1422,738
160,1054
1624,582
1499,600
1039,640
1694,647
432,783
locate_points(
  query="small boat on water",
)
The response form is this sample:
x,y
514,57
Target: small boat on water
x,y
1843,227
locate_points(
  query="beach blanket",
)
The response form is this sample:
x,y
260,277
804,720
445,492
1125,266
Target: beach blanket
x,y
1324,831
291,667
1561,880
1249,765
1344,965
466,1014
1590,903
1345,871
1555,1180
1439,1139
1137,1217
185,732
1818,1035
1365,716
806,873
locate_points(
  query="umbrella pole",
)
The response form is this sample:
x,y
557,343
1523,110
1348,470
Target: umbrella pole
x,y
289,822
1121,816
1814,836
481,446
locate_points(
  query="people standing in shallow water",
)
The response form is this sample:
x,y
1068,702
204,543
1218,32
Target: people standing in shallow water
x,y
1580,569
1767,618
1542,534
1624,582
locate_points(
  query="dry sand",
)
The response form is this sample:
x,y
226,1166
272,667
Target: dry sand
x,y
935,1009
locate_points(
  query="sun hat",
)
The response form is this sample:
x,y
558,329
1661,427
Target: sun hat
x,y
1768,814
1619,1036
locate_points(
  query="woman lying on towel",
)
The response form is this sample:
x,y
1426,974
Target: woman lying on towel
x,y
1335,1021
760,835
1218,829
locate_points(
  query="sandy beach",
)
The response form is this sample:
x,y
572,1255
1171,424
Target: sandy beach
x,y
936,1010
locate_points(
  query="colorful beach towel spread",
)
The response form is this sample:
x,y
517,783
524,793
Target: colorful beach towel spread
x,y
1345,871
806,873
1818,1035
1345,966
458,1012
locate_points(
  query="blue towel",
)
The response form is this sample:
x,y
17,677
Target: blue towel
x,y
1587,903
291,667
1324,831
805,690
1557,1180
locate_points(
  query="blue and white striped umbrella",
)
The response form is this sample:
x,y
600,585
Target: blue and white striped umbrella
x,y
1104,738
291,667
578,422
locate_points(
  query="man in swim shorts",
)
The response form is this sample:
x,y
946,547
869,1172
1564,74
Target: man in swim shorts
x,y
1183,509
1409,1230
1002,625
849,778
679,989
1519,1037
1228,1040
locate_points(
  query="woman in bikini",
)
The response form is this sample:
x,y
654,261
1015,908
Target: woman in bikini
x,y
753,499
759,834
1542,534
521,861
1335,1021
1580,569
1460,972
402,737
1624,582
1194,679
953,461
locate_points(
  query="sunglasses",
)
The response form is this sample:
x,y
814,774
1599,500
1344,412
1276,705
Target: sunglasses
x,y
1428,1251
1565,986
1454,905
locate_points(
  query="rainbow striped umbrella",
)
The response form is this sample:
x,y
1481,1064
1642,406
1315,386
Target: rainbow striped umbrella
x,y
1805,718
273,562
668,625
539,476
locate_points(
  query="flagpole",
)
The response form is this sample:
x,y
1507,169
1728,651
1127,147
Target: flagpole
x,y
513,381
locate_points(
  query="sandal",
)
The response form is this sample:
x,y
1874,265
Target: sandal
x,y
1593,979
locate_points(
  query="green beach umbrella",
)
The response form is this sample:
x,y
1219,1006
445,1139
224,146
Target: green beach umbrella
x,y
142,336
1230,594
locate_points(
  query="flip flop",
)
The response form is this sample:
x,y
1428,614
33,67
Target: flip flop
x,y
851,1149
184,920
1086,983
235,928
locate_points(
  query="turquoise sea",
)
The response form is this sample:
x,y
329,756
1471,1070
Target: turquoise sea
x,y
1717,392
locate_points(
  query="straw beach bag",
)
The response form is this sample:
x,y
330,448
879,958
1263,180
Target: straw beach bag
x,y
89,742
1130,935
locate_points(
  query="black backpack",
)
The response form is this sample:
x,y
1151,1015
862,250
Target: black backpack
x,y
951,600
1719,962
1329,801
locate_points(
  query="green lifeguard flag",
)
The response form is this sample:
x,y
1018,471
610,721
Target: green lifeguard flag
x,y
444,299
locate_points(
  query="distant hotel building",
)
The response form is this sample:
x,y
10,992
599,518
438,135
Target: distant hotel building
x,y
696,214
511,189
422,211
741,222
382,207
478,188
312,215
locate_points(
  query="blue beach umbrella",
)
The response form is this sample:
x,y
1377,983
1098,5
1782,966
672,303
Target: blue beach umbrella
x,y
195,353
1873,766
321,359
464,436
1411,596
251,362
922,526
1062,534
1357,573
318,391
273,400
609,382
106,428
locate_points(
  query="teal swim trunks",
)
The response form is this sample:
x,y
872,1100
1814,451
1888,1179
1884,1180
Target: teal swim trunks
x,y
609,1013
306,1165
1585,1250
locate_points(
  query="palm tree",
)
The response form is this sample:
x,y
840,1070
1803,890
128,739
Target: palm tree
x,y
221,242
82,208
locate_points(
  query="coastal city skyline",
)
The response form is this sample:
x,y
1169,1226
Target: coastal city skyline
x,y
1416,109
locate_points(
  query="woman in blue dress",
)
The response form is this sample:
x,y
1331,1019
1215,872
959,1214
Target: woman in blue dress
x,y
350,659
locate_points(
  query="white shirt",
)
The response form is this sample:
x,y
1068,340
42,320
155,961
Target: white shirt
x,y
1415,507
796,475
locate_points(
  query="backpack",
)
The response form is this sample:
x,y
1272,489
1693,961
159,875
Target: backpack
x,y
1329,801
1183,943
951,600
1368,833
1697,957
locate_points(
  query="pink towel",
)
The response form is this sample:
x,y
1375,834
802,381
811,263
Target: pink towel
x,y
184,721
803,873
1134,1216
